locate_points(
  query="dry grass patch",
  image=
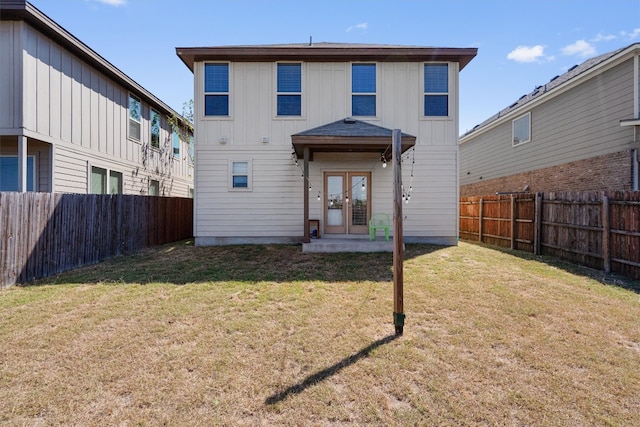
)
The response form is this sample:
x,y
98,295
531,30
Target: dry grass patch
x,y
266,335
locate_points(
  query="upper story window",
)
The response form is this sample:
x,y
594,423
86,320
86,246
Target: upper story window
x,y
176,144
216,89
192,150
155,128
135,117
521,129
436,90
363,88
289,87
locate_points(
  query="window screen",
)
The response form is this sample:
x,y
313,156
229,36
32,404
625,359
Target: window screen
x,y
240,174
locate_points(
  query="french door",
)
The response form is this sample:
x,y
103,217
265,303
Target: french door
x,y
347,206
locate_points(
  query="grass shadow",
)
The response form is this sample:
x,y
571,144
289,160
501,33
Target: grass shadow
x,y
328,372
609,279
182,263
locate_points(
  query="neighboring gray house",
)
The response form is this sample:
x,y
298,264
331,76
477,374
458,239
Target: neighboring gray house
x,y
334,105
71,122
580,131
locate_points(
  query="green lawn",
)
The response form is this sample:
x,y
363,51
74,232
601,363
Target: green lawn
x,y
265,335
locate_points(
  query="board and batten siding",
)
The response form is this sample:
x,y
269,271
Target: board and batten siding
x,y
581,123
80,111
274,207
11,77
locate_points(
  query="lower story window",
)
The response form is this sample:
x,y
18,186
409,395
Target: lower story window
x,y
115,182
9,173
98,180
240,175
105,181
154,188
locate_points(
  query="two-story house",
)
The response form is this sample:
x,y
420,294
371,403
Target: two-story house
x,y
287,133
578,132
71,122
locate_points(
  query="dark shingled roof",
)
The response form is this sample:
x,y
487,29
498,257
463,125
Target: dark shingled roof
x,y
348,135
549,86
349,128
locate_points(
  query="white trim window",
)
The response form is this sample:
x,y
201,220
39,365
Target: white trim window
x,y
192,150
216,89
135,117
115,182
521,129
363,90
436,90
154,128
100,184
289,89
240,178
176,144
154,187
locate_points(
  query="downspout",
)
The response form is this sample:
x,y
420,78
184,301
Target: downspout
x,y
635,166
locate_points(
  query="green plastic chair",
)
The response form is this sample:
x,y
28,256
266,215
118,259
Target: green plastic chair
x,y
379,221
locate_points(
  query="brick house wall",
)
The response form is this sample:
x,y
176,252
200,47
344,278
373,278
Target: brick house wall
x,y
606,172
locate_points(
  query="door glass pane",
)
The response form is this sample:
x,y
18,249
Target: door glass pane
x,y
359,204
334,203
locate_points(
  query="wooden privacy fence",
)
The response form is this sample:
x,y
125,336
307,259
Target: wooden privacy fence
x,y
42,234
597,229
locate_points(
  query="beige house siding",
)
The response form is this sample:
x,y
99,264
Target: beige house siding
x,y
224,216
11,72
578,124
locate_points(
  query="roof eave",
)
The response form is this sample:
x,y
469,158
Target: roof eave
x,y
191,55
623,55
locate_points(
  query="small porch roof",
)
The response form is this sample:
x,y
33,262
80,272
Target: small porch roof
x,y
348,135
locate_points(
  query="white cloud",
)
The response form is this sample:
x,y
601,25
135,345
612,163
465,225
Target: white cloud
x,y
112,2
527,53
579,48
632,35
603,38
362,27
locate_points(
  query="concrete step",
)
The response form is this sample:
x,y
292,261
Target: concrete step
x,y
332,245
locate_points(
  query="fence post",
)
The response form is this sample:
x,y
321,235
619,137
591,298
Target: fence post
x,y
481,208
537,227
606,230
513,222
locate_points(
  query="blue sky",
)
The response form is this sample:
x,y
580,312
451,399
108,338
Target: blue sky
x,y
521,43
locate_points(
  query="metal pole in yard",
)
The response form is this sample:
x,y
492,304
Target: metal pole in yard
x,y
398,298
